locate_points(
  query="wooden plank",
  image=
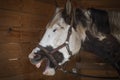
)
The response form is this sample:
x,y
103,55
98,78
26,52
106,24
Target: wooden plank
x,y
9,34
103,4
34,22
27,76
9,67
109,73
11,4
9,51
32,28
38,76
94,66
34,6
14,60
8,18
31,36
14,25
85,56
27,48
15,34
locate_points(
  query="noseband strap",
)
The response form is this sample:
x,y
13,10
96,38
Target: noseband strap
x,y
49,55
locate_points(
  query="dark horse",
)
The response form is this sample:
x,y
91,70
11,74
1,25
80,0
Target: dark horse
x,y
70,29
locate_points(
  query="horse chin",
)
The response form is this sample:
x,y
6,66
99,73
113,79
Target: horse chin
x,y
48,70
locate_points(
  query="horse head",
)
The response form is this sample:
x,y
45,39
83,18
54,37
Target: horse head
x,y
61,40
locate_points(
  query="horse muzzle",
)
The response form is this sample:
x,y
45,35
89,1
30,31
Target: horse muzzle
x,y
52,60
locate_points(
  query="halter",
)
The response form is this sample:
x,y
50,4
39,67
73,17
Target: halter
x,y
65,44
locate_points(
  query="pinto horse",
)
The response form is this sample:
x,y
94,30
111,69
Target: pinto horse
x,y
73,28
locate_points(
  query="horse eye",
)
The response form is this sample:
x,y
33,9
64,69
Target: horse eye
x,y
62,27
54,30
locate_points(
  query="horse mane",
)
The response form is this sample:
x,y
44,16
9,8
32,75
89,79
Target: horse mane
x,y
114,20
101,20
79,17
54,18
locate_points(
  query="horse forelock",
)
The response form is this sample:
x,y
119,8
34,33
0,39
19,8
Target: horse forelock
x,y
79,18
56,17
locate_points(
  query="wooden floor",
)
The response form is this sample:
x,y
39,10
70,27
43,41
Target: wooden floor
x,y
22,24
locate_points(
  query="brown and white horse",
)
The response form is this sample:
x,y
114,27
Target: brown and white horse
x,y
70,29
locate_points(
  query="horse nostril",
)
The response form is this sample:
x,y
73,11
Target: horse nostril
x,y
31,56
37,56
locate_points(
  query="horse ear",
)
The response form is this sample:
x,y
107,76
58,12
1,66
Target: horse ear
x,y
68,7
67,12
57,9
56,6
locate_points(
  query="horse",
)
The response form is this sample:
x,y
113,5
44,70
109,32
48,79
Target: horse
x,y
72,29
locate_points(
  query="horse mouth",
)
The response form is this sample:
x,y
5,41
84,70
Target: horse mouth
x,y
38,59
49,71
39,64
51,60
